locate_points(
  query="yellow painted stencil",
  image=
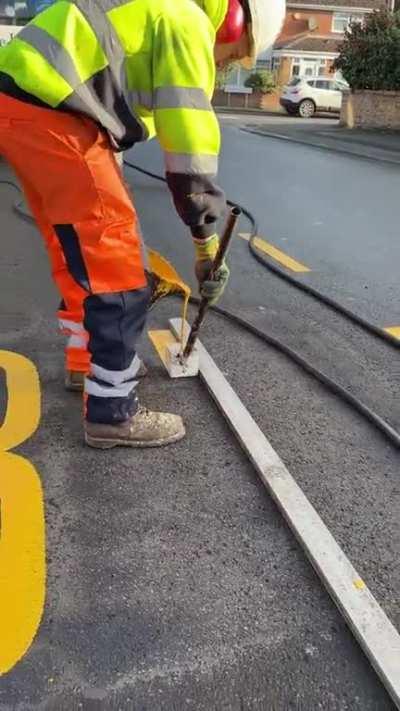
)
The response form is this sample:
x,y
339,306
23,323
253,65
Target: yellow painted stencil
x,y
160,341
22,529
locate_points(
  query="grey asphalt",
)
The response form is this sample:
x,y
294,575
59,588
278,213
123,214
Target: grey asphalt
x,y
173,583
338,214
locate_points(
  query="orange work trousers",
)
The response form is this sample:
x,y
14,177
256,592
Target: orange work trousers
x,y
76,194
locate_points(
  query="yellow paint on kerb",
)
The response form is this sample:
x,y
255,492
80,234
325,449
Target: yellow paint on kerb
x,y
394,331
276,254
22,528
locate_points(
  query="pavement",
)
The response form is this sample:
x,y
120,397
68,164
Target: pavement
x,y
324,132
173,582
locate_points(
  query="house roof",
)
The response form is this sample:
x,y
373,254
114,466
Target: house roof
x,y
307,42
337,4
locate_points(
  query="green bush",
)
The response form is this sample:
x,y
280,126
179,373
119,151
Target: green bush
x,y
370,53
261,80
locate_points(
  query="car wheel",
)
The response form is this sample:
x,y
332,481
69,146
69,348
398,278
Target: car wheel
x,y
307,108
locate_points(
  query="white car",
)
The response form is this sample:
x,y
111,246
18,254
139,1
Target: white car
x,y
304,96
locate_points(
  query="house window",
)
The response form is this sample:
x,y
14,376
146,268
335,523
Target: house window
x,y
236,79
342,20
275,64
308,66
263,64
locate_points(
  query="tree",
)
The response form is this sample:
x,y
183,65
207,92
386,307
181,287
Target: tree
x,y
370,53
262,81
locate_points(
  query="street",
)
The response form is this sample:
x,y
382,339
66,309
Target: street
x,y
173,582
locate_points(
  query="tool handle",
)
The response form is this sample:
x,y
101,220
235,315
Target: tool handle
x,y
219,258
225,240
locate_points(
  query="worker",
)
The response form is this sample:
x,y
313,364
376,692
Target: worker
x,y
84,80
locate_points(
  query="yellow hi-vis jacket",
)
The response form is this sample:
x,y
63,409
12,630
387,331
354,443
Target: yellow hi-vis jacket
x,y
138,68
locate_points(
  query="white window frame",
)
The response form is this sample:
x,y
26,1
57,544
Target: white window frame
x,y
320,63
236,78
263,64
346,18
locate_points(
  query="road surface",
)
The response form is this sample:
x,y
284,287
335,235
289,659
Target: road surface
x,y
172,581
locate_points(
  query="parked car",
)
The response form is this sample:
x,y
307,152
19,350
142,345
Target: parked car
x,y
304,96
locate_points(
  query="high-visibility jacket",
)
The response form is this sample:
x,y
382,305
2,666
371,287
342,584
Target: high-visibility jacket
x,y
138,68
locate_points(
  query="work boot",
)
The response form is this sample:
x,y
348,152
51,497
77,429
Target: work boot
x,y
75,379
144,429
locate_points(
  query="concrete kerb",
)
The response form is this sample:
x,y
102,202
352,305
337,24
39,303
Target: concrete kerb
x,y
243,111
371,155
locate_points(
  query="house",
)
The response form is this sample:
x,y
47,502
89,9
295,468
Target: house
x,y
310,39
312,33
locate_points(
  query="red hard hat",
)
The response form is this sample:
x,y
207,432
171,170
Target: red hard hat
x,y
234,24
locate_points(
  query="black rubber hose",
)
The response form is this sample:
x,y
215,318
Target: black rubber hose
x,y
333,386
392,435
306,288
324,379
323,298
18,206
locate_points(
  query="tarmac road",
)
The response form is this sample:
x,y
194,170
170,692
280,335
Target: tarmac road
x,y
173,582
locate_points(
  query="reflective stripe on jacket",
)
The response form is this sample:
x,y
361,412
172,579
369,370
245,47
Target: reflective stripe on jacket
x,y
139,68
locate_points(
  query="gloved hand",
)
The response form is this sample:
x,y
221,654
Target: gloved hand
x,y
211,289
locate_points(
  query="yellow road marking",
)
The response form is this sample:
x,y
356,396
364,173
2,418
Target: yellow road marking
x,y
22,529
394,331
276,254
160,341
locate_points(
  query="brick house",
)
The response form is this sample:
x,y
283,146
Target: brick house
x,y
312,34
308,44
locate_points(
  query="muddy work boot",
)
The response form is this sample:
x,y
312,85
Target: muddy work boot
x,y
75,379
144,429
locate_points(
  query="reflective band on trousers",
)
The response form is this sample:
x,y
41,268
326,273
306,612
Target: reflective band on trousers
x,y
68,326
92,387
77,342
116,377
198,164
